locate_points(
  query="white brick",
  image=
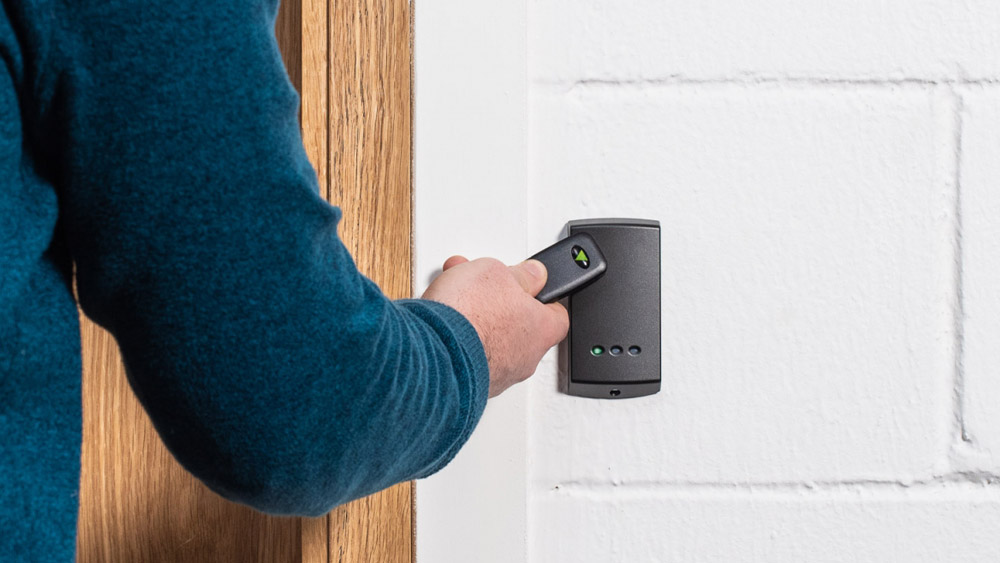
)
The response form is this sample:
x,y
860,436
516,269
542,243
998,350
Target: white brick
x,y
805,527
981,275
807,281
857,39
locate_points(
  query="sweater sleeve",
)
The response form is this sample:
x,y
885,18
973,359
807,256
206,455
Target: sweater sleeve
x,y
273,370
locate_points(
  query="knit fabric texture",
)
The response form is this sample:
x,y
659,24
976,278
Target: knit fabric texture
x,y
155,145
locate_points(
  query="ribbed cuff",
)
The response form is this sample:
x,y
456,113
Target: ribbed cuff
x,y
471,367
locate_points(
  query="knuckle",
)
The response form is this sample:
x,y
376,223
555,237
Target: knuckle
x,y
491,263
491,269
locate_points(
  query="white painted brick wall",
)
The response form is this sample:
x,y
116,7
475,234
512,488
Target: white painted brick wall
x,y
827,177
660,40
857,524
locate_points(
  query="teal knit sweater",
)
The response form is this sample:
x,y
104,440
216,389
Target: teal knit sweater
x,y
155,145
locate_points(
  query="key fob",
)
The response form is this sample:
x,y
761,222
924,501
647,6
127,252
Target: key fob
x,y
573,263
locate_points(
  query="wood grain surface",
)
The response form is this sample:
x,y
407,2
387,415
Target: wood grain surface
x,y
304,38
351,62
370,154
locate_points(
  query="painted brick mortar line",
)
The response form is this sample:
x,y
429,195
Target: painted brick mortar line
x,y
961,433
967,479
753,80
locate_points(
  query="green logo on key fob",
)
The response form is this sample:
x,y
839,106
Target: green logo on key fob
x,y
580,257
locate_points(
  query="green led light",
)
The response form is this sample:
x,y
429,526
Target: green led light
x,y
597,350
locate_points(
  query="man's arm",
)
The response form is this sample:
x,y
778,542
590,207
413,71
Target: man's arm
x,y
271,368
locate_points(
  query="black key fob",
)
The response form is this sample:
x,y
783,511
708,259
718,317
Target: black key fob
x,y
573,263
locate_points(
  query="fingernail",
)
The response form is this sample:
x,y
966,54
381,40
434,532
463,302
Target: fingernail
x,y
535,268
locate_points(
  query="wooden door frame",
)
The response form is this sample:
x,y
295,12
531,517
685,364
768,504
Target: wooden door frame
x,y
351,61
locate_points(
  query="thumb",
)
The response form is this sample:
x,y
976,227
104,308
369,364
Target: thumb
x,y
552,324
531,275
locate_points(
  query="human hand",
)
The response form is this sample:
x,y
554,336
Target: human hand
x,y
499,301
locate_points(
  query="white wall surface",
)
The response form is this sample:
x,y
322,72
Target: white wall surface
x,y
470,143
827,178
